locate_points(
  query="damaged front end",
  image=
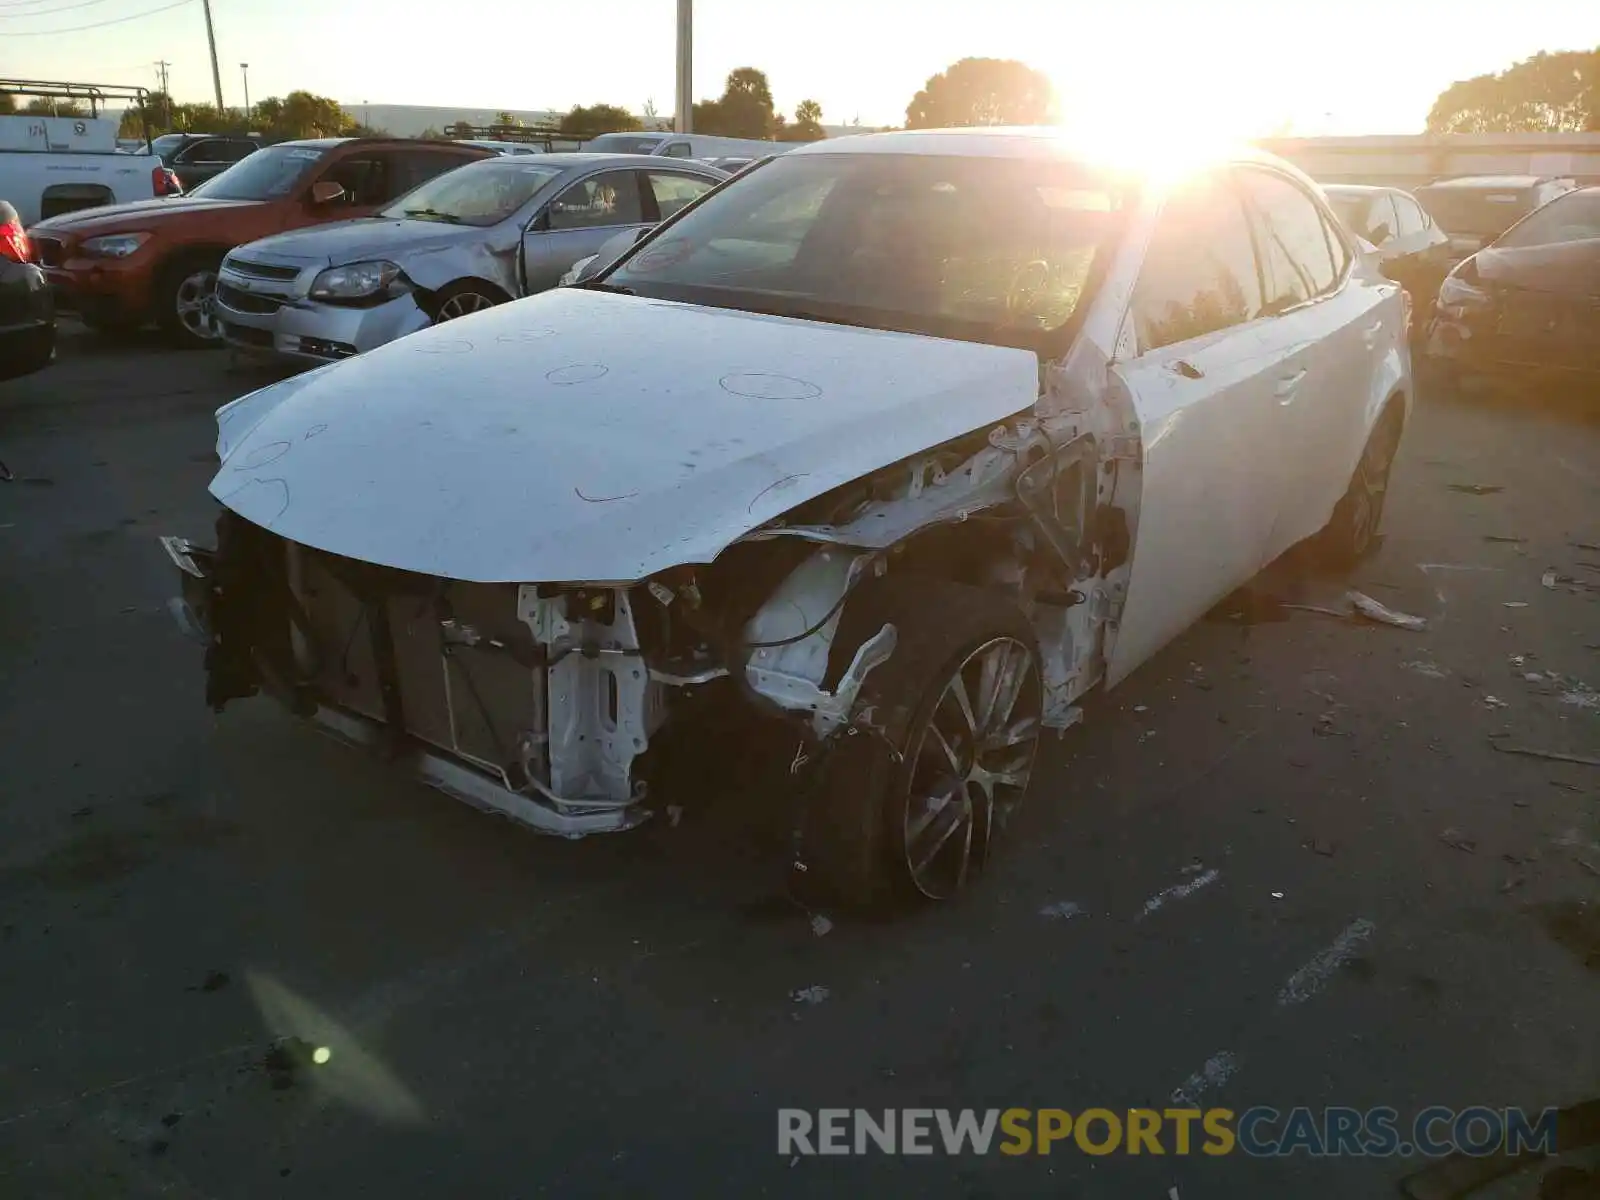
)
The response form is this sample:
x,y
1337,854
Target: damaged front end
x,y
543,701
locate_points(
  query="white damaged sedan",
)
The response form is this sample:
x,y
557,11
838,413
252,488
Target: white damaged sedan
x,y
902,442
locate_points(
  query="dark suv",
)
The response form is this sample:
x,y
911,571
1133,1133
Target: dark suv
x,y
196,157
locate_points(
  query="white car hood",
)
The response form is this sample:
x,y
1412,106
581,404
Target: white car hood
x,y
584,436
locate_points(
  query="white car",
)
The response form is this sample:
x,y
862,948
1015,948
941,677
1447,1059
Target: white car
x,y
903,443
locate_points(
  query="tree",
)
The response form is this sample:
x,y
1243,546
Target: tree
x,y
744,110
584,123
983,91
807,125
157,111
507,119
49,106
1548,93
304,115
430,134
8,103
461,129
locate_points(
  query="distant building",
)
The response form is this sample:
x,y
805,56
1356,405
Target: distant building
x,y
410,120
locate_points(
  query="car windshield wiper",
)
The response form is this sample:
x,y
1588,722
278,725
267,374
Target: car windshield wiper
x,y
595,285
433,214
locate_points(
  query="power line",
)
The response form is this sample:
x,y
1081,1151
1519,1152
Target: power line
x,y
149,12
48,12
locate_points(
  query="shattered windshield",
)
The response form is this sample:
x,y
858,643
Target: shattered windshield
x,y
482,193
265,175
987,249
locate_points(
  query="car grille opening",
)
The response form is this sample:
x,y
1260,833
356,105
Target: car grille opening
x,y
261,270
247,302
323,348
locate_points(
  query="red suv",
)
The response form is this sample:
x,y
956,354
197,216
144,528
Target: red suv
x,y
125,265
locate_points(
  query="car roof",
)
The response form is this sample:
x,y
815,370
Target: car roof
x,y
1354,189
584,158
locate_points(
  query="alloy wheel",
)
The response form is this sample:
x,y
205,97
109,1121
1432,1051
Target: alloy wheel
x,y
969,764
194,303
1372,485
461,305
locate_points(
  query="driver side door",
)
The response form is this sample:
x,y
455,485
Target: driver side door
x,y
1199,369
578,221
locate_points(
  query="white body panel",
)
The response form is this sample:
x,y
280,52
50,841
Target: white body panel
x,y
581,436
37,153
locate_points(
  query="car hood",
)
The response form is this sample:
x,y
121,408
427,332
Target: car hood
x,y
135,215
1568,268
583,436
362,239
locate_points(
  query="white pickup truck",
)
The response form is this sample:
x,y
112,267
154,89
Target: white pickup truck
x,y
56,164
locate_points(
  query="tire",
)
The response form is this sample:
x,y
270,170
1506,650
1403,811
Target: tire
x,y
1351,532
876,833
183,301
463,299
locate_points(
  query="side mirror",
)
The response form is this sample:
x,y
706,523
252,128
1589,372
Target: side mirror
x,y
326,191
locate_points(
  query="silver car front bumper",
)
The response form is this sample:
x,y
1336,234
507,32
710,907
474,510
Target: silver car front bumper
x,y
311,331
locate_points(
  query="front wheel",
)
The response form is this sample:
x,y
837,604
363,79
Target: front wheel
x,y
462,300
185,302
914,802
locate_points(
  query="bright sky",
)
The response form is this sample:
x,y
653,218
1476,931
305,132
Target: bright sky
x,y
1243,66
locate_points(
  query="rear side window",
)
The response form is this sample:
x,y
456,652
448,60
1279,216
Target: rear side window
x,y
1301,255
677,150
415,167
673,192
1199,274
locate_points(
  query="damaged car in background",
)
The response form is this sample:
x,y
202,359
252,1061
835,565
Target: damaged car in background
x,y
467,240
899,446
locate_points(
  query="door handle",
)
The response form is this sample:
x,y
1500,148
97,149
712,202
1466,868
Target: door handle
x,y
1284,391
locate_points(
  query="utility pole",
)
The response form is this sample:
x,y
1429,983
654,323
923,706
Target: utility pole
x,y
166,96
211,37
685,113
244,69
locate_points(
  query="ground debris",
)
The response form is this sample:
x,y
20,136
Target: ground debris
x,y
1475,489
1457,840
1062,910
1496,537
1324,848
815,994
820,925
1553,755
1372,610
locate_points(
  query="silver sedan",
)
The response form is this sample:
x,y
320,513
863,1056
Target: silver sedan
x,y
472,238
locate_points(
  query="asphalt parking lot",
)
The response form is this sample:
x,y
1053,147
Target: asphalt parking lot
x,y
1289,862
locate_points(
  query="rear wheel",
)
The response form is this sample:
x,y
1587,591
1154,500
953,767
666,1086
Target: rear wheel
x,y
184,301
1352,531
912,807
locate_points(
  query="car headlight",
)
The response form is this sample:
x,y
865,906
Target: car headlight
x,y
358,281
114,245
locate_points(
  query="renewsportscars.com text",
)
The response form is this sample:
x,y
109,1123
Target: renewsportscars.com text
x,y
1261,1131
